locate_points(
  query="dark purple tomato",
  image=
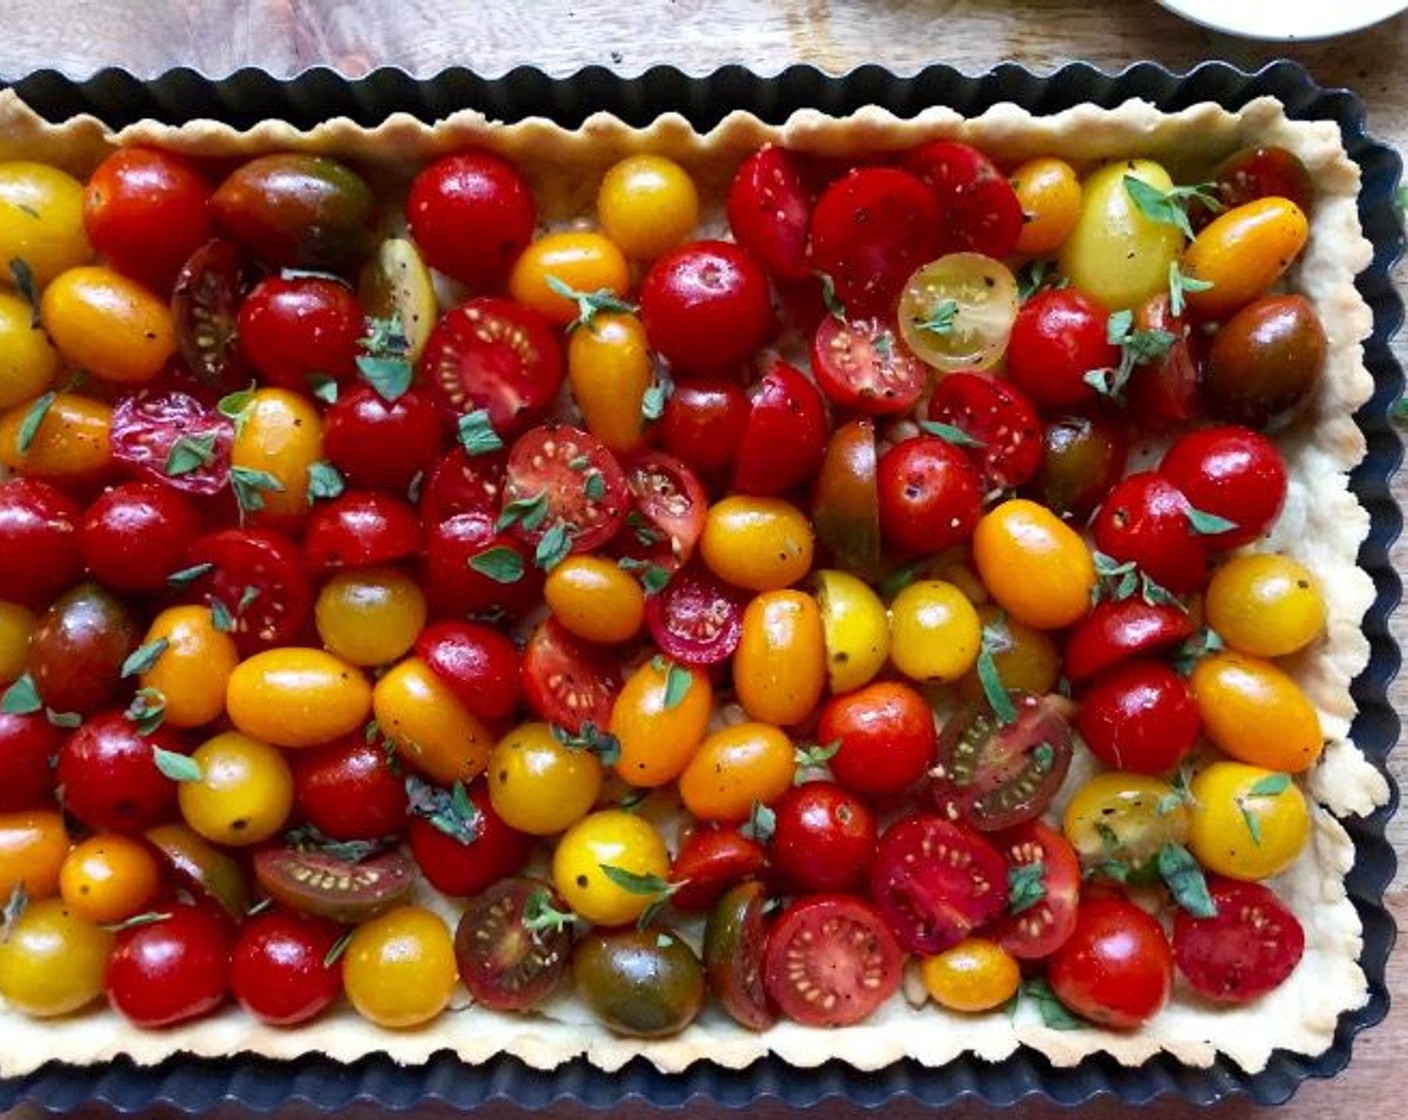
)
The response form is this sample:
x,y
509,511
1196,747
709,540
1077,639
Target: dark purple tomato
x,y
78,647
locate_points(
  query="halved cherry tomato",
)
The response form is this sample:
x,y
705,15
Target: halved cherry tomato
x,y
463,483
711,859
567,681
863,364
1041,907
785,435
1248,948
957,312
147,426
504,962
257,577
1118,629
205,305
735,940
1163,390
999,419
324,885
697,618
671,504
564,480
769,211
978,208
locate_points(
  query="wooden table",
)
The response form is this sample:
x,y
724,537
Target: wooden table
x,y
285,36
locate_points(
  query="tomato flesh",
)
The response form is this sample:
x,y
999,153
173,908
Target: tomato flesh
x,y
697,618
578,481
865,365
769,211
1031,930
567,681
257,576
1250,947
1005,434
505,964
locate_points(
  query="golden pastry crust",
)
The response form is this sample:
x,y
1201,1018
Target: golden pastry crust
x,y
1323,525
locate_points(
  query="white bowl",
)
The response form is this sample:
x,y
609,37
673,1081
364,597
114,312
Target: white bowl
x,y
1286,19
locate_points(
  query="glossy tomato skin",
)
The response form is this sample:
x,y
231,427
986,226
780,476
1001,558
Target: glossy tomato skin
x,y
786,433
349,790
1039,928
567,681
265,560
147,426
1118,629
134,535
769,210
670,505
110,778
1232,472
291,328
28,747
1145,518
697,618
39,543
1058,337
706,307
462,869
979,210
1139,716
711,859
172,970
478,663
205,306
278,968
863,364
886,737
704,423
1116,968
463,483
360,528
78,647
1000,417
1163,391
930,495
824,839
456,588
1083,455
471,214
1250,947
378,444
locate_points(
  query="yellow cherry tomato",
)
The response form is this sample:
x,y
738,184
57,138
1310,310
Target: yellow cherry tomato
x,y
1242,253
108,324
759,543
109,877
298,697
33,845
934,632
595,599
194,669
52,961
1265,605
71,443
957,312
370,616
432,730
396,282
1027,660
1256,712
1050,193
647,204
539,784
28,361
399,969
609,369
16,625
1116,252
779,670
975,975
611,838
279,436
244,793
41,220
1248,822
659,719
1125,818
1038,568
586,262
735,768
854,628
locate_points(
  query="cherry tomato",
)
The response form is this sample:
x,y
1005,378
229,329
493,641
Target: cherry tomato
x,y
1231,472
194,668
647,204
28,360
297,697
16,629
769,211
360,528
477,663
1248,948
1241,253
705,307
472,568
566,681
1265,605
1118,629
539,784
824,839
1026,660
935,633
862,364
279,970
609,369
785,434
831,961
54,240
52,962
278,440
561,480
211,875
39,549
79,647
496,355
696,619
704,423
148,426
1049,193
763,544
370,616
735,939
1060,336
975,975
1140,716
884,734
396,285
1146,519
136,534
349,791
458,866
109,877
1163,389
978,209
871,228
1041,910
471,214
734,769
244,793
314,881
1124,819
957,312
72,443
711,859
380,444
170,970
1261,172
935,882
580,259
670,504
854,628
33,847
846,499
1082,457
659,720
1265,363
294,327
431,731
779,669
999,420
505,962
608,838
28,746
257,576
205,303
399,970
1116,968
931,495
1256,712
605,971
108,324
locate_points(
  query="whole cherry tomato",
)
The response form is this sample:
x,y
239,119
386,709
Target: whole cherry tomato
x,y
172,969
930,495
360,528
824,839
710,860
349,790
1116,968
705,307
1139,716
39,550
1058,338
1146,519
110,776
1232,472
464,861
381,444
704,423
478,663
136,534
29,745
292,328
279,969
884,736
979,211
471,214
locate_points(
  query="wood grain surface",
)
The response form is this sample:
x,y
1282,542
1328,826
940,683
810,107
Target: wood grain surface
x,y
78,37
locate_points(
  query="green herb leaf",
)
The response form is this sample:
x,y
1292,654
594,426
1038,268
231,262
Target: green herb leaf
x,y
449,810
940,320
189,453
147,710
247,599
1170,207
1026,886
24,282
678,680
663,940
834,307
897,580
589,304
1187,655
812,756
334,954
21,698
236,407
500,563
1251,818
1035,275
540,913
477,435
1273,785
589,737
15,906
950,434
554,547
1054,1014
323,387
66,720
594,487
188,575
249,486
1184,879
389,377
761,823
220,617
633,800
998,698
635,883
653,578
144,657
1182,794
178,767
149,918
1179,285
311,838
1136,348
652,401
325,481
386,338
528,512
29,426
1206,524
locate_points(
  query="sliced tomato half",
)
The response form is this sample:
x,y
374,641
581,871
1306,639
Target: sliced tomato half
x,y
254,581
865,365
1043,878
567,681
1249,948
697,618
560,478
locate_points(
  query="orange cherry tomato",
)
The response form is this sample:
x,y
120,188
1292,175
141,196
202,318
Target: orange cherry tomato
x,y
71,442
1038,568
108,324
736,768
109,877
659,719
779,670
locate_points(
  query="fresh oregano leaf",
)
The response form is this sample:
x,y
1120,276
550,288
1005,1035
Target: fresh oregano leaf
x,y
141,659
176,766
1184,879
500,564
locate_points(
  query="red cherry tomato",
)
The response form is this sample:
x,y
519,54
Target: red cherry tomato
x,y
110,777
935,882
706,307
864,364
462,578
824,838
1120,629
786,433
704,422
278,968
292,327
359,528
39,549
999,417
979,211
1247,949
711,859
379,444
205,305
671,506
769,211
1164,391
1116,968
1231,472
871,229
1041,909
147,426
136,534
463,483
577,483
885,736
496,355
1146,518
1139,716
1059,337
931,495
349,790
29,745
459,868
696,619
471,214
480,665
171,970
257,576
145,210
831,961
568,681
